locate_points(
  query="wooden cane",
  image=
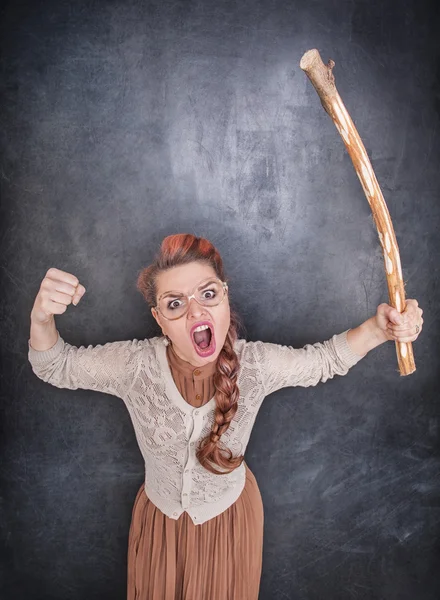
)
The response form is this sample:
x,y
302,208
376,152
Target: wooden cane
x,y
323,81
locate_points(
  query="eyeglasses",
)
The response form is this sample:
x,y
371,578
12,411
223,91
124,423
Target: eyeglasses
x,y
174,305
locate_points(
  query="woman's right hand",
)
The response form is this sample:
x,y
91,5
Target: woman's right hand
x,y
57,290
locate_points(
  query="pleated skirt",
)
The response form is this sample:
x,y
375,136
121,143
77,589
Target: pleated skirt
x,y
220,559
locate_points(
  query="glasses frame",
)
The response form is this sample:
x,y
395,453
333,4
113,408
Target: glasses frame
x,y
225,288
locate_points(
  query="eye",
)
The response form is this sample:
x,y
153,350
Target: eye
x,y
171,303
209,291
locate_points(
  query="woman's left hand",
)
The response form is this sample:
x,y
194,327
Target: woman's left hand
x,y
400,327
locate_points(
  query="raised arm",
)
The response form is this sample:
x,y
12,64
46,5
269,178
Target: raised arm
x,y
110,368
284,366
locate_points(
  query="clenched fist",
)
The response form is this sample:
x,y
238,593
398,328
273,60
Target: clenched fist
x,y
400,327
57,290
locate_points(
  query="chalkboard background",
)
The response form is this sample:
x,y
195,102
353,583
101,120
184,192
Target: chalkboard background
x,y
123,122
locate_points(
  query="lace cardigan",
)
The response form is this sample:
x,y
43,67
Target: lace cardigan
x,y
168,428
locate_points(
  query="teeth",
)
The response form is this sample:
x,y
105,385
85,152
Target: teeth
x,y
201,328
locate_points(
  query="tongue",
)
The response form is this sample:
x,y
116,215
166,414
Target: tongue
x,y
202,338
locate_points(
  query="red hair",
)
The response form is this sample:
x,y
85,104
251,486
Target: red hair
x,y
180,249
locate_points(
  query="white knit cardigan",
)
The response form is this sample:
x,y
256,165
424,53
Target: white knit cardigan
x,y
167,428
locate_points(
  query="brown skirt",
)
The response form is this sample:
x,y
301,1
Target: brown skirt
x,y
220,559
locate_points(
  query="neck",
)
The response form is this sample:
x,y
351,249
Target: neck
x,y
177,353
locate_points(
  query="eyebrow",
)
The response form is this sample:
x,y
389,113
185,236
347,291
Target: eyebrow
x,y
201,285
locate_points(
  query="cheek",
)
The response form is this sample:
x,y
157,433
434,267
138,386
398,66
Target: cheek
x,y
225,320
177,333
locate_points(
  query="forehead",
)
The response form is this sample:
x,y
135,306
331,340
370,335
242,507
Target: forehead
x,y
183,278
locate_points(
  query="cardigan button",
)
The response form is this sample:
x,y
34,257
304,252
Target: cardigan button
x,y
197,372
198,397
196,412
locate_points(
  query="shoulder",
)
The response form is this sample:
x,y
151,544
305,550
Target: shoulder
x,y
134,345
249,351
149,345
133,349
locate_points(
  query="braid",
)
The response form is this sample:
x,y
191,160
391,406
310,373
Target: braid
x,y
226,396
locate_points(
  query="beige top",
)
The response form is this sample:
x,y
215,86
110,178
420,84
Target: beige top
x,y
167,427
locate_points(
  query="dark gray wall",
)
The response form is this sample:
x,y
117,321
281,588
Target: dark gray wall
x,y
123,122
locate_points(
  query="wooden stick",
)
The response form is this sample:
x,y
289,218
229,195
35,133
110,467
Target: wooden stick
x,y
323,81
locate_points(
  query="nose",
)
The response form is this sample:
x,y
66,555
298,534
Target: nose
x,y
194,308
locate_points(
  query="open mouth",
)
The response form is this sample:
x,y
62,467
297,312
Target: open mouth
x,y
204,341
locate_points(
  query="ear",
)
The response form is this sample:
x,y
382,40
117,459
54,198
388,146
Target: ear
x,y
155,315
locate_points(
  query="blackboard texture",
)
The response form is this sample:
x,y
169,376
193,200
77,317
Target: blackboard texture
x,y
125,121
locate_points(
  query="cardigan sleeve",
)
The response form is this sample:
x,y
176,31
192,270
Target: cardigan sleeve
x,y
108,368
284,366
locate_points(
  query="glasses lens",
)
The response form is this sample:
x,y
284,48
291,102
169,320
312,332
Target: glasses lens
x,y
210,294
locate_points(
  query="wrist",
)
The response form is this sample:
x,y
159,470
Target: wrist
x,y
42,324
43,336
376,333
364,338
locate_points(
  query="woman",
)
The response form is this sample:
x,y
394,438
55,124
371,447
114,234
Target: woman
x,y
197,521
